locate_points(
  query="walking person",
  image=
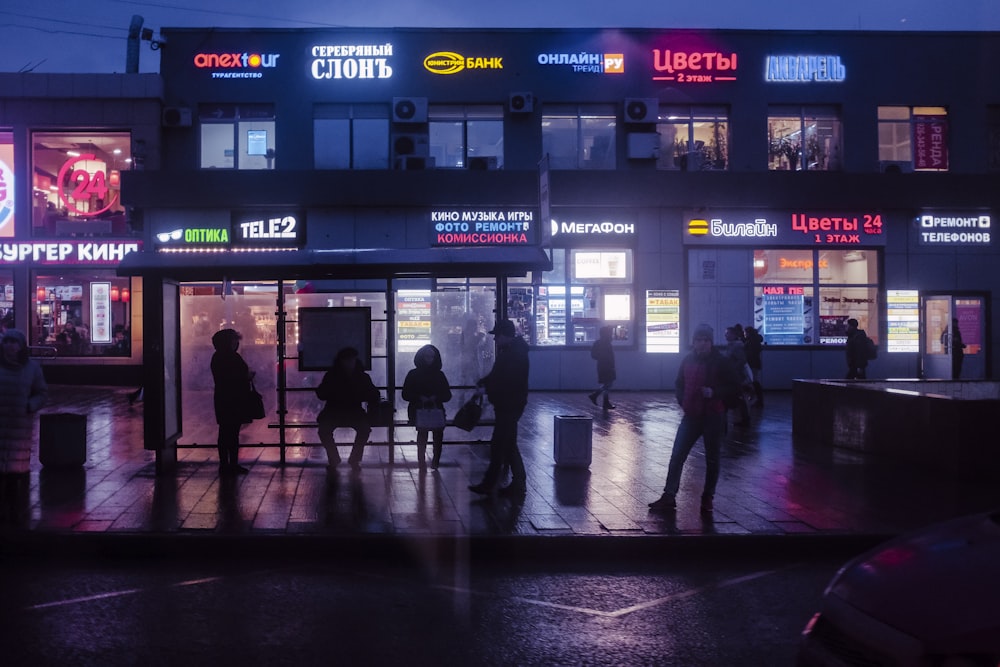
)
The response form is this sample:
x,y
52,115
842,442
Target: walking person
x,y
703,380
232,379
957,345
426,386
604,354
23,392
344,388
754,347
506,386
856,351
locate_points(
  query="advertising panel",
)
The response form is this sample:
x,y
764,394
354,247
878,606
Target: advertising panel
x,y
903,320
663,321
6,185
788,228
483,227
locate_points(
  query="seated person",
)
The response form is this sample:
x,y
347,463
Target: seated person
x,y
344,388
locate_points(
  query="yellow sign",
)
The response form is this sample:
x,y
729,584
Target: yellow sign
x,y
449,62
698,227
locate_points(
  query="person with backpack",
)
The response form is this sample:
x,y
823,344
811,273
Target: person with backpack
x,y
857,351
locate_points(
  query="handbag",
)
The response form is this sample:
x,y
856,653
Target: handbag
x,y
254,408
380,412
468,415
430,419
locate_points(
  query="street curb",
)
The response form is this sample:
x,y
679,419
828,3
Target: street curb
x,y
563,549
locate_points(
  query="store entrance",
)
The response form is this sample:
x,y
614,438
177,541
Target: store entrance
x,y
947,319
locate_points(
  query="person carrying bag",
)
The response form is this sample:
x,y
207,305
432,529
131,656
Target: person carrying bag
x,y
426,389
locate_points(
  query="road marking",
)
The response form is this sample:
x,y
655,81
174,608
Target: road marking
x,y
115,594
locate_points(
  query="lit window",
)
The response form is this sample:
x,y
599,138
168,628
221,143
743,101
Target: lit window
x,y
912,139
804,139
693,139
237,136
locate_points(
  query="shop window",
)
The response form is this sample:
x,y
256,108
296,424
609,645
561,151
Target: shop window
x,y
587,289
7,301
993,137
351,136
693,138
237,136
6,184
805,297
804,139
466,137
912,139
579,137
76,183
82,313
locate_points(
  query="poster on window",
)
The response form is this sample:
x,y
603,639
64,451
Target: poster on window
x,y
100,312
930,142
6,186
663,321
783,320
902,320
413,324
968,312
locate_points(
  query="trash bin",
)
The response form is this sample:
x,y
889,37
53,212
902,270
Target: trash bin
x,y
62,439
573,440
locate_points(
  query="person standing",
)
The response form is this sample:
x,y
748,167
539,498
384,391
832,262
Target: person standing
x,y
23,392
426,386
232,379
957,348
704,379
506,386
754,347
735,351
344,388
856,350
604,354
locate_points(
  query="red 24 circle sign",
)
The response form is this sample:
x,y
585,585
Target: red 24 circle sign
x,y
84,186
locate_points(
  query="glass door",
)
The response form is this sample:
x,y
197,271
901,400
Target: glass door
x,y
954,337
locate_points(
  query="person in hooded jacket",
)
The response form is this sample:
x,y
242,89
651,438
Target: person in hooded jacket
x,y
426,386
604,354
232,379
23,392
344,388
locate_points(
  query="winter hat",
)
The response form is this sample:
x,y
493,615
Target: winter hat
x,y
703,331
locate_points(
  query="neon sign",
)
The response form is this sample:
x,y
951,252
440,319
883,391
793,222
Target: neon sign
x,y
786,228
804,69
236,65
199,235
449,62
971,229
284,228
482,227
6,200
351,61
694,66
67,252
594,63
87,185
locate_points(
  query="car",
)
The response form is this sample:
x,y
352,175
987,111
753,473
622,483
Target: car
x,y
930,598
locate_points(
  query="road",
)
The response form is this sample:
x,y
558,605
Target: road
x,y
306,611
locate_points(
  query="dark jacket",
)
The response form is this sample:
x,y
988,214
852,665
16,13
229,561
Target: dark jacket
x,y
425,380
714,371
604,354
507,383
232,385
857,349
345,391
754,347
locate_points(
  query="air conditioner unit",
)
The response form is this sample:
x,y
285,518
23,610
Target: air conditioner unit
x,y
483,162
641,110
176,117
409,109
895,166
410,143
643,145
521,103
413,163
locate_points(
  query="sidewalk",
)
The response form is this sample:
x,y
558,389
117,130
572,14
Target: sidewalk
x,y
771,486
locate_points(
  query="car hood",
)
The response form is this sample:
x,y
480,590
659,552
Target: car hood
x,y
940,585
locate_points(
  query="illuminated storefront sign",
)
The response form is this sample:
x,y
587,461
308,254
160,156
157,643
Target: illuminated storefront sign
x,y
449,62
67,252
482,227
902,320
592,229
804,69
6,190
351,61
414,315
663,321
268,228
785,228
236,65
594,63
87,178
969,229
684,66
194,236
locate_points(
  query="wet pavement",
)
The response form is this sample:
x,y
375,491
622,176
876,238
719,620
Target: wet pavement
x,y
772,486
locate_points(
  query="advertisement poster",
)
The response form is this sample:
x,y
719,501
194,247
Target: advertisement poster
x,y
6,185
930,142
784,319
413,326
903,320
663,321
968,312
100,312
